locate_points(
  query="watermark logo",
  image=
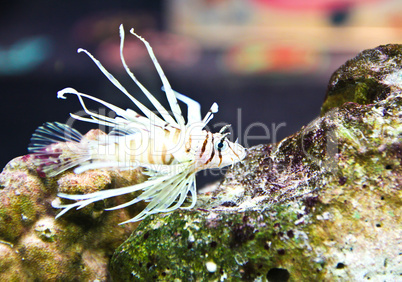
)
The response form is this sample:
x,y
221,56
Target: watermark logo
x,y
128,140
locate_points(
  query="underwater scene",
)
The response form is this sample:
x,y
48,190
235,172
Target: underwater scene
x,y
224,140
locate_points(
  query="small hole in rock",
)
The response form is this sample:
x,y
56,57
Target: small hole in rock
x,y
229,204
342,180
388,166
378,225
340,265
290,234
281,252
278,275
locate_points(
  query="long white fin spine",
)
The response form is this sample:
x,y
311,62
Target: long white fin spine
x,y
168,89
158,106
165,193
148,113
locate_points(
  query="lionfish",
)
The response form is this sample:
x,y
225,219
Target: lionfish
x,y
169,151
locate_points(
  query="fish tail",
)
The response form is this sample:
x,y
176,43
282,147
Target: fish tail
x,y
58,147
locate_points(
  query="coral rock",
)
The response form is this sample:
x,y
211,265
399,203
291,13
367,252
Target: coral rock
x,y
323,204
34,246
366,78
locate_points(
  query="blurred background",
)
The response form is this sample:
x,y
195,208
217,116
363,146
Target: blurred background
x,y
265,62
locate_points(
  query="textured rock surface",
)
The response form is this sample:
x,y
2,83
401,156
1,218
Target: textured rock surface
x,y
34,246
366,78
321,205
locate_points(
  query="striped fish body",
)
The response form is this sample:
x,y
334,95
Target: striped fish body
x,y
157,147
165,146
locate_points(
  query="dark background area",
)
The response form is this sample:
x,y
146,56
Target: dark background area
x,y
30,78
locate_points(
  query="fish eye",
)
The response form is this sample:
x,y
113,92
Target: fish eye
x,y
221,145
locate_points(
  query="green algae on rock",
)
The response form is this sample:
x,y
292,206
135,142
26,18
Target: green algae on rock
x,y
324,204
366,78
34,246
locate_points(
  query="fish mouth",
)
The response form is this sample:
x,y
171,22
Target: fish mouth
x,y
243,155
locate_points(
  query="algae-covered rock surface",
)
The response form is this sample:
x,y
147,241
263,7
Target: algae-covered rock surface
x,y
366,78
34,246
321,205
